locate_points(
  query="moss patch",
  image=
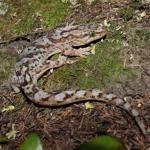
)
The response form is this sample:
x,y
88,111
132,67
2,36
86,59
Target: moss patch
x,y
126,13
95,71
26,16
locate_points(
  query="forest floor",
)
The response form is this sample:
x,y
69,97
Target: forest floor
x,y
121,65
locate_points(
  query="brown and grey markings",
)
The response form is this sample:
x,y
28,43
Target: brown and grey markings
x,y
35,60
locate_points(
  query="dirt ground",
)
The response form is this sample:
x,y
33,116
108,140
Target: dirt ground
x,y
67,127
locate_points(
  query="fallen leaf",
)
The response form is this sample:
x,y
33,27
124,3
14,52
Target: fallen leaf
x,y
8,108
89,105
32,142
104,142
143,14
93,50
12,134
106,24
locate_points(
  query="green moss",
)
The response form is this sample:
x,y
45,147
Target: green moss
x,y
54,16
24,17
126,13
95,71
138,38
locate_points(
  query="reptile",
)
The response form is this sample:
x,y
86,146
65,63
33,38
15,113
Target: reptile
x,y
36,59
66,42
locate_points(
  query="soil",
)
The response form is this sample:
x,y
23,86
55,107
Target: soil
x,y
67,127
